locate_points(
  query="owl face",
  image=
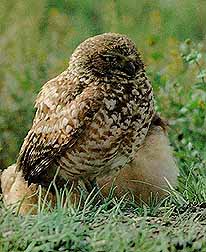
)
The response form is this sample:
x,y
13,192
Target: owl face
x,y
115,63
108,55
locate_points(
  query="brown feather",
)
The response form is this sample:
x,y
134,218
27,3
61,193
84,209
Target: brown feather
x,y
93,117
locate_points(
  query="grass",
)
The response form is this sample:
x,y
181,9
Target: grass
x,y
113,226
36,40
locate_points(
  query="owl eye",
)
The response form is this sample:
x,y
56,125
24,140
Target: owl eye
x,y
110,58
107,59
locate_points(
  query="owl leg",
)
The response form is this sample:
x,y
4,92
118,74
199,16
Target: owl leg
x,y
93,188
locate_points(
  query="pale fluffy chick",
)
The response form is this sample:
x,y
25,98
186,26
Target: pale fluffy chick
x,y
151,173
18,195
147,174
16,192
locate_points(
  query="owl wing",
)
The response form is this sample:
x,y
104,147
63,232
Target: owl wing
x,y
64,111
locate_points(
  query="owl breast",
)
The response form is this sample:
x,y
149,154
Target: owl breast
x,y
116,132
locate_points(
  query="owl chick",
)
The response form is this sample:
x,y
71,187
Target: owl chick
x,y
92,118
146,175
151,173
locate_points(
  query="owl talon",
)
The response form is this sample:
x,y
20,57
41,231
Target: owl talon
x,y
94,190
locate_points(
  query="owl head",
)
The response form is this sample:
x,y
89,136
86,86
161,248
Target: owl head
x,y
107,55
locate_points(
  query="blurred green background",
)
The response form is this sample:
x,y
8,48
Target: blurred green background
x,y
38,37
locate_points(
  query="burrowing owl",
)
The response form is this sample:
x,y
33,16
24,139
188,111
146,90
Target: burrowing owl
x,y
92,118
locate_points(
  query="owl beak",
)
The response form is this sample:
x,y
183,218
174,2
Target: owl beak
x,y
129,68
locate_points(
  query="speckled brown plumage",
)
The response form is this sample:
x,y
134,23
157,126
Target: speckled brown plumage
x,y
93,117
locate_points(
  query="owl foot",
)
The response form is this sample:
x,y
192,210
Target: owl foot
x,y
94,190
